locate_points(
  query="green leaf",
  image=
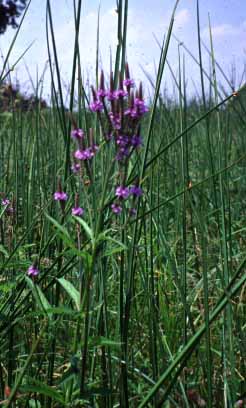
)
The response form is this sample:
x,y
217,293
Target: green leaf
x,y
4,251
54,310
34,403
103,341
41,388
39,296
86,228
71,290
97,391
119,248
60,227
7,287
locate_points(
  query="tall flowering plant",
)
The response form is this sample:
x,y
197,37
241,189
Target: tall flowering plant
x,y
120,111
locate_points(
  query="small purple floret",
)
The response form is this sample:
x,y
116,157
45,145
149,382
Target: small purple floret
x,y
75,168
5,201
132,211
116,208
32,271
60,196
122,153
77,134
120,93
111,95
122,140
136,141
122,192
136,191
101,93
129,83
140,105
77,211
86,154
96,106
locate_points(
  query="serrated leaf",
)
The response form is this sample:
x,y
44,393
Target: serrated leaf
x,y
71,290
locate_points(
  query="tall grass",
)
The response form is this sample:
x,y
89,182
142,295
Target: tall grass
x,y
143,310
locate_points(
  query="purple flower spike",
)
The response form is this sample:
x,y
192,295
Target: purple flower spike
x,y
136,191
96,106
77,134
60,196
32,270
5,201
122,192
77,211
116,208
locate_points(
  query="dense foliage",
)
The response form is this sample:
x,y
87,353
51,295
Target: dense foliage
x,y
10,10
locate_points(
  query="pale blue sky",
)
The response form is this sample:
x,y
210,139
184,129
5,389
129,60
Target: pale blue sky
x,y
228,19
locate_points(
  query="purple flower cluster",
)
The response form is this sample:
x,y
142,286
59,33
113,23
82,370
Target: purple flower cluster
x,y
77,134
78,211
9,209
120,110
5,202
60,196
123,193
83,152
32,271
132,107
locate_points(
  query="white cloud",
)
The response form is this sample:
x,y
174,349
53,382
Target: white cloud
x,y
222,30
182,17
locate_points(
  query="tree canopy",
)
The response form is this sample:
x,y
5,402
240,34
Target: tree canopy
x,y
10,10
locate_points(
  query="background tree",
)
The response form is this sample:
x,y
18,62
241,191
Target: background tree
x,y
9,11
